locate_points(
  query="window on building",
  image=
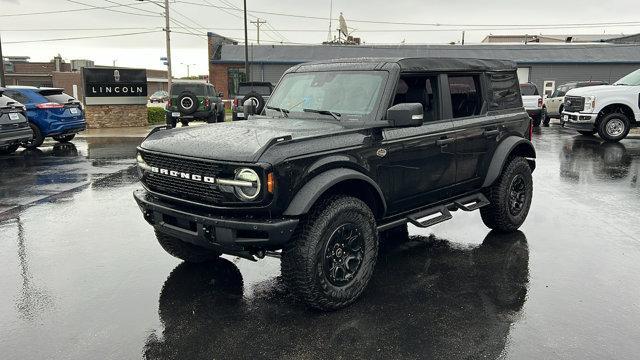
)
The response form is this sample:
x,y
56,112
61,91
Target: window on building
x,y
504,91
235,77
419,89
466,99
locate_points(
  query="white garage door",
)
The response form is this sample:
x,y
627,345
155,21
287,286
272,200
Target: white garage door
x,y
523,75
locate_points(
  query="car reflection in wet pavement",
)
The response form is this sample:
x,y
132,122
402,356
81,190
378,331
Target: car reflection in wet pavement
x,y
428,299
83,276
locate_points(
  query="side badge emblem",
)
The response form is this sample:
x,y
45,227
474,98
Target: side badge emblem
x,y
381,152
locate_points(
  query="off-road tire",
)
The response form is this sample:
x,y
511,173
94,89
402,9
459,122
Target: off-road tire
x,y
545,117
9,149
37,140
192,98
303,259
221,116
170,120
258,99
587,132
605,132
212,118
185,251
64,138
498,215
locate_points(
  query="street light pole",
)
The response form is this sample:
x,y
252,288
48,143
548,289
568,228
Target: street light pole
x,y
246,44
168,38
2,81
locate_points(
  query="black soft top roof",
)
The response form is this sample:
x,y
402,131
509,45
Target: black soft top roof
x,y
420,64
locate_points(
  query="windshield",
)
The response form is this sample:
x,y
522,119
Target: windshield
x,y
631,79
342,92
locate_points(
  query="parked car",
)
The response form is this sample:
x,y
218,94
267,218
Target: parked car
x,y
51,113
555,102
609,110
159,96
194,100
532,102
256,92
14,127
320,177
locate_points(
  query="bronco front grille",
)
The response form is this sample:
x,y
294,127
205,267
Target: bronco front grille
x,y
180,187
573,103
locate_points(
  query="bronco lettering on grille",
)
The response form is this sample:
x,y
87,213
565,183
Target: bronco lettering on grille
x,y
183,175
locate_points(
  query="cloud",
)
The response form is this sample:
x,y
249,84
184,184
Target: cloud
x,y
17,2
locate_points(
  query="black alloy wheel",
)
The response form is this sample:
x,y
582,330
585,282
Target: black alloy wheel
x,y
343,254
517,195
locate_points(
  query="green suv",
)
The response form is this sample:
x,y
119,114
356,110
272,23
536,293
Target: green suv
x,y
192,100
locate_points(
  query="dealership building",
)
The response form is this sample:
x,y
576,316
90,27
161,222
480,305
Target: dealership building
x,y
542,64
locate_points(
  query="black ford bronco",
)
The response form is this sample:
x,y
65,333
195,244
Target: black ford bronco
x,y
346,152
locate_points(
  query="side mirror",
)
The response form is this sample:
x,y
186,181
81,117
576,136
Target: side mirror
x,y
249,107
407,114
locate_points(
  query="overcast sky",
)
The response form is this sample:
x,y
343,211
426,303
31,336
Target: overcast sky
x,y
145,50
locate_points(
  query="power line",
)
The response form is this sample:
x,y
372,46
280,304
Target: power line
x,y
110,9
530,26
80,37
62,11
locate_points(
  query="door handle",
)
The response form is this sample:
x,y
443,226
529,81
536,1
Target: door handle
x,y
489,133
444,141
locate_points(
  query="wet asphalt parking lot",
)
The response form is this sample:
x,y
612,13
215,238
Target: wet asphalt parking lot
x,y
83,277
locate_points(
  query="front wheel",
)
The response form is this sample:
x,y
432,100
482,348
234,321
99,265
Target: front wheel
x,y
536,121
331,259
221,116
171,121
509,196
545,117
185,251
613,127
64,138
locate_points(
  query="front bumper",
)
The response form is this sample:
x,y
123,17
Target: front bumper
x,y
8,138
237,236
578,121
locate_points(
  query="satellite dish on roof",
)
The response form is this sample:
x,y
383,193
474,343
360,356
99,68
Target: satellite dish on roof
x,y
343,25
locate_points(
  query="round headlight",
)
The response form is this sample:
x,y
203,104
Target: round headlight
x,y
247,192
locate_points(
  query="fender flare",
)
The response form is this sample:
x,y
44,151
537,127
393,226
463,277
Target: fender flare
x,y
314,188
500,156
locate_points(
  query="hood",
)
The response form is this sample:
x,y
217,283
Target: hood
x,y
596,90
241,141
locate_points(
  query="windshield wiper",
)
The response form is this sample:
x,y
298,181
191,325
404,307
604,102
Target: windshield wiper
x,y
284,112
324,112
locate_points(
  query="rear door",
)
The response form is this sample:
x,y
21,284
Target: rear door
x,y
417,164
475,101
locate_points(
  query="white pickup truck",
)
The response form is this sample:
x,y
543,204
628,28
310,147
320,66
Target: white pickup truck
x,y
609,110
532,102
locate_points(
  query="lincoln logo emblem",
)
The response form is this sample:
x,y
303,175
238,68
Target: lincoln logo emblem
x,y
116,75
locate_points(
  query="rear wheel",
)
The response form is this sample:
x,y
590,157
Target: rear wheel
x,y
536,121
545,117
37,139
64,138
331,259
509,196
9,149
212,118
221,116
185,251
613,127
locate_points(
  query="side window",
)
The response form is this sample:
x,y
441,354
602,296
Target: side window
x,y
419,89
505,91
16,96
466,99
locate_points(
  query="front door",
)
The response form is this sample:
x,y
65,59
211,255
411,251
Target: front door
x,y
417,164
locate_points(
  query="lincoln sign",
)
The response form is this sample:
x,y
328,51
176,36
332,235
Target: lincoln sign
x,y
106,86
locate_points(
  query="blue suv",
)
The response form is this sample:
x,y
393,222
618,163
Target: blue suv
x,y
51,113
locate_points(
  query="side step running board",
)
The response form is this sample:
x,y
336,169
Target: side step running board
x,y
439,213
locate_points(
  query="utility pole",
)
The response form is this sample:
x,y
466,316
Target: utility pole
x,y
2,81
168,37
246,44
462,37
258,22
